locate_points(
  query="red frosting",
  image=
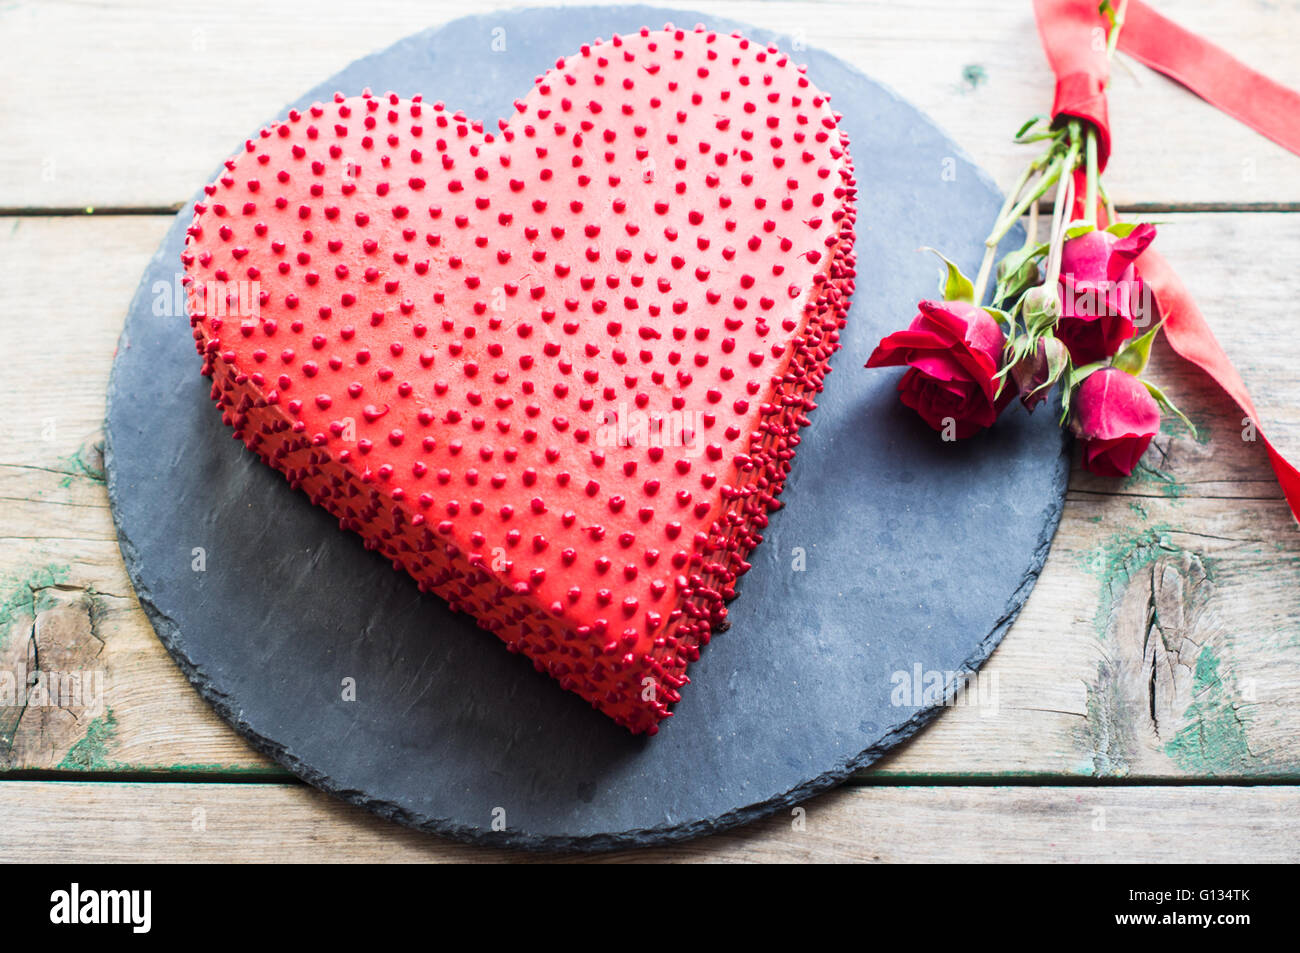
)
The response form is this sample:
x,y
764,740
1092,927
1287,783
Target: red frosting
x,y
556,373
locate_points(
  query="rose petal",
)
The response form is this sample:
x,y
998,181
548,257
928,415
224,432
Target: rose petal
x,y
1116,457
1113,405
1127,250
897,348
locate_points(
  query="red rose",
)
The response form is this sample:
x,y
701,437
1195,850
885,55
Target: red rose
x,y
953,350
1100,292
1115,416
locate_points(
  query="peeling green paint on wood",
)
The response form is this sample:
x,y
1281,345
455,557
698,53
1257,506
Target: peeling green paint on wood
x,y
86,463
91,752
1117,559
1171,426
1108,730
1147,476
1211,737
974,75
1213,742
19,596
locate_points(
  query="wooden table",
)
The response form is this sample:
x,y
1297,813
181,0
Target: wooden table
x,y
1149,695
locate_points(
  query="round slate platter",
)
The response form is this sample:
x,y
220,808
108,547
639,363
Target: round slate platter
x,y
895,552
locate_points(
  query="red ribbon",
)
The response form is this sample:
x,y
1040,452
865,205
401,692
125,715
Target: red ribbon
x,y
1221,80
1070,31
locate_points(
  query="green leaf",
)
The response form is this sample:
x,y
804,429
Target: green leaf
x,y
957,287
1073,378
1107,11
1001,378
1078,375
1066,394
1168,405
1026,253
1028,124
1018,271
1019,304
1017,349
1133,356
1079,227
1124,229
1036,129
1037,137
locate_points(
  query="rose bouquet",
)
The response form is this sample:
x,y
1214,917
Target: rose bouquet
x,y
1068,310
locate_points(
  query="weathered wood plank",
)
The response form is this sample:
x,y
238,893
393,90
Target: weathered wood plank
x,y
63,583
1163,639
106,136
214,823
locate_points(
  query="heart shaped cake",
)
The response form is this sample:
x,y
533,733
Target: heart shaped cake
x,y
555,372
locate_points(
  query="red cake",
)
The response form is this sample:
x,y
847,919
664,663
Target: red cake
x,y
555,372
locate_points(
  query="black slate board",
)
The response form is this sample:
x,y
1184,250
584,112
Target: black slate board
x,y
915,552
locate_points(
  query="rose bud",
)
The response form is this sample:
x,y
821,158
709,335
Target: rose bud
x,y
1100,292
953,350
1037,371
1041,309
1115,416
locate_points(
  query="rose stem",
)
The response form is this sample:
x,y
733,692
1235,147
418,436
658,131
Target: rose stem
x,y
1112,41
1005,222
982,279
1095,186
1111,216
1090,196
1064,189
1031,233
991,243
1010,214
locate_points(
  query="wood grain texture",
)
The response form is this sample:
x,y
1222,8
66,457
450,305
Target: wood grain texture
x,y
213,823
84,129
1162,640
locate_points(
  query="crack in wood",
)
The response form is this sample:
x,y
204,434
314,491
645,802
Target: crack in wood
x,y
60,670
1158,620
